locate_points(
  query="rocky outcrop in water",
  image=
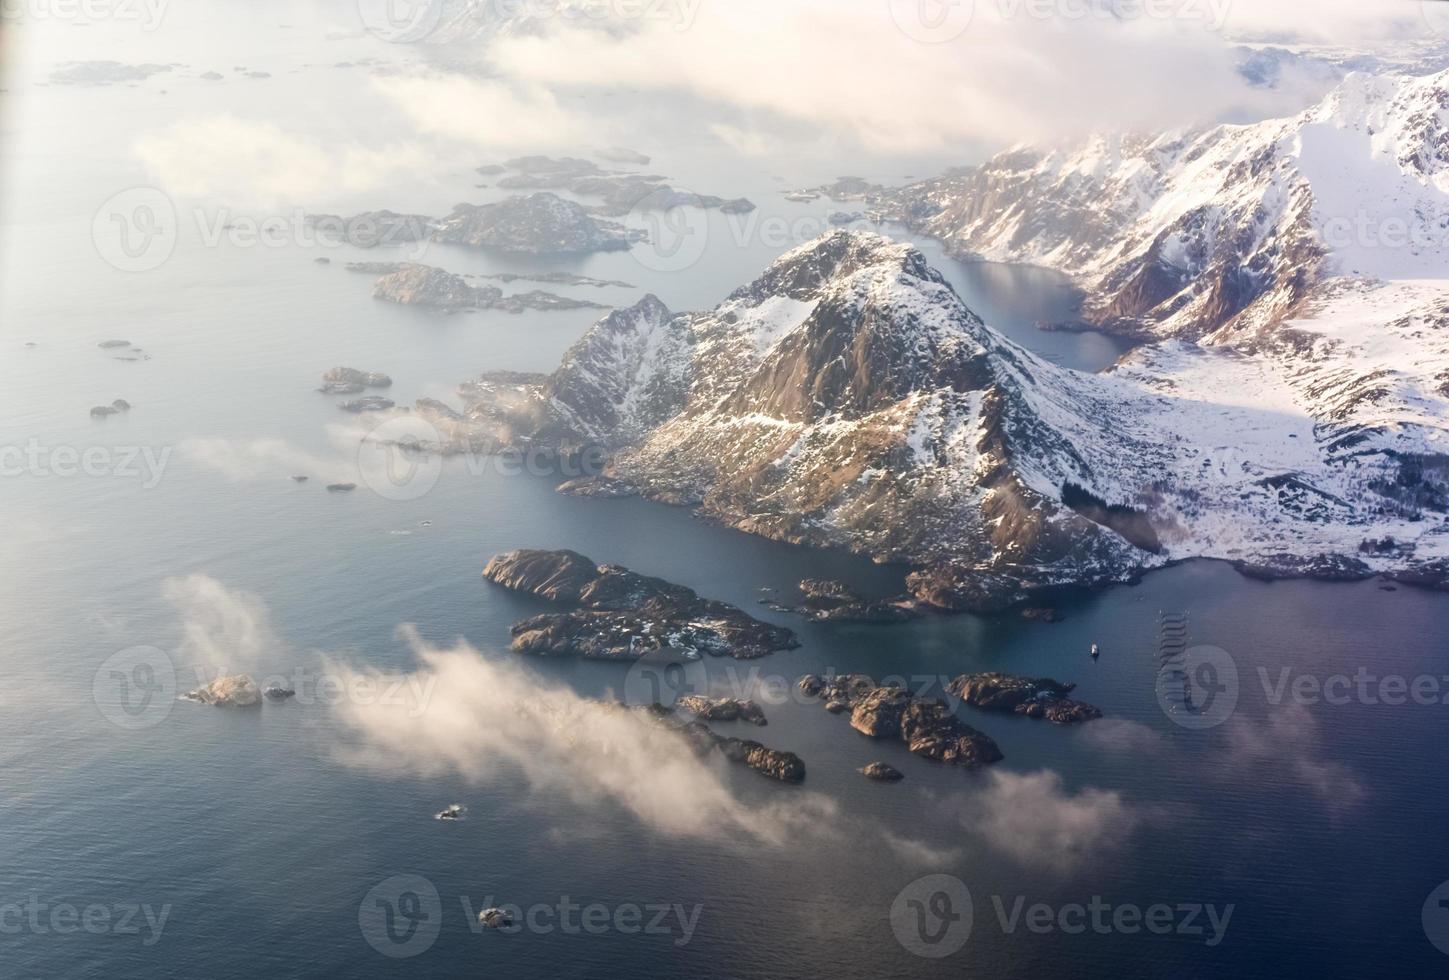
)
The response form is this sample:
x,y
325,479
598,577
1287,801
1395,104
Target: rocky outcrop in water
x,y
412,284
1034,697
114,408
350,381
881,772
722,709
927,725
625,615
367,403
539,224
235,691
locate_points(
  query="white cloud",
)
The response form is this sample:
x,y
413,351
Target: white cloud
x,y
252,460
1121,735
249,162
1287,744
488,720
1032,818
1006,78
223,630
489,114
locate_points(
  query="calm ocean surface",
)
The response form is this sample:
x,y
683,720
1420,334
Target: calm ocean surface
x,y
1322,826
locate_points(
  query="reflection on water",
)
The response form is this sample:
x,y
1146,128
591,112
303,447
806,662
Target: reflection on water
x,y
1018,299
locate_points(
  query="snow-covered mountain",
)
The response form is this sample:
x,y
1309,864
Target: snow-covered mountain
x,y
848,397
1217,234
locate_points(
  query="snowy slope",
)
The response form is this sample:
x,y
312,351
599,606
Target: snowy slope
x,y
1217,234
848,397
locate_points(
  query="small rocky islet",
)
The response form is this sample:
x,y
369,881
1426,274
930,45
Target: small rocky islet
x,y
1034,697
351,381
624,614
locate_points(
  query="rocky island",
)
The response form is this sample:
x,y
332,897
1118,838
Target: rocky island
x,y
624,614
234,691
350,381
926,725
1039,697
412,284
538,224
722,709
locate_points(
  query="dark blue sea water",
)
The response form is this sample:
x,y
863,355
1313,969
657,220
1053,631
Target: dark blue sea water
x,y
267,853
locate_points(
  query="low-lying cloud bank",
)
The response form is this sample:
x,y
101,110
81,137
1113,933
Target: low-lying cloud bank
x,y
489,720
